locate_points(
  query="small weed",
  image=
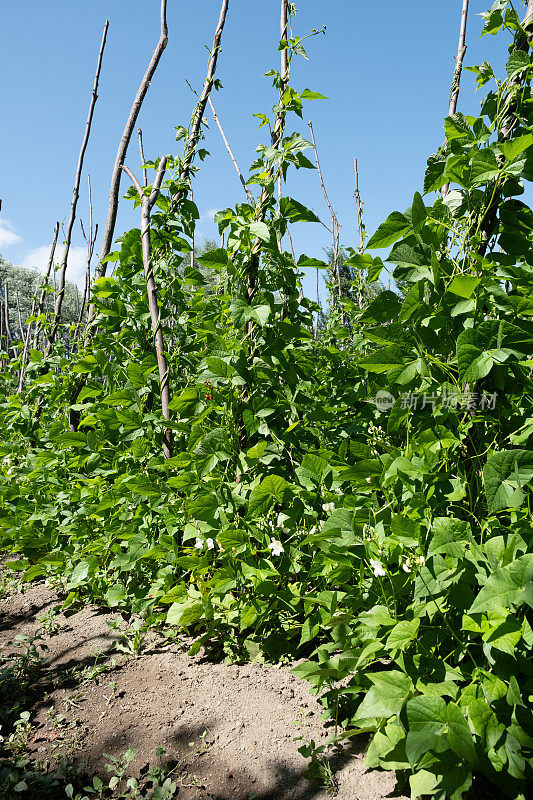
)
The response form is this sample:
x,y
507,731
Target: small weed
x,y
10,583
319,768
18,671
49,622
161,787
132,639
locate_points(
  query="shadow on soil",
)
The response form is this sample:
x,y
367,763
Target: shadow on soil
x,y
196,771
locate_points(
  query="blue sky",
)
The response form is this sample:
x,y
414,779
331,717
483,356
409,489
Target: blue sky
x,y
385,68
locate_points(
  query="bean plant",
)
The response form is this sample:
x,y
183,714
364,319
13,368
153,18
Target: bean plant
x,y
359,501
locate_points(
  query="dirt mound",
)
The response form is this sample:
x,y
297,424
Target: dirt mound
x,y
228,730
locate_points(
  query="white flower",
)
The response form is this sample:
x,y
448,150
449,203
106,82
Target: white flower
x,y
406,567
328,506
210,544
379,572
368,480
199,544
276,547
420,561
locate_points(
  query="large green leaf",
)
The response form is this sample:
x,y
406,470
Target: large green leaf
x,y
507,587
492,341
185,403
460,738
383,308
296,212
204,507
426,717
386,697
389,231
450,536
271,490
464,285
505,474
456,127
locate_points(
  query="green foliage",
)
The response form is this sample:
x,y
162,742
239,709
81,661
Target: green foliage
x,y
362,501
23,286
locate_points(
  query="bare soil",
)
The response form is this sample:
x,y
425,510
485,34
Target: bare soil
x,y
229,729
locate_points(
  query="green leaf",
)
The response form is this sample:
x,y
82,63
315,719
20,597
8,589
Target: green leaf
x,y
484,73
505,474
459,736
426,717
271,490
463,286
387,359
516,146
185,614
213,259
260,314
403,633
435,176
450,537
35,571
185,403
80,573
418,213
422,784
456,127
85,364
307,94
389,231
386,697
518,62
507,587
204,507
218,367
260,229
308,262
233,538
385,307
296,212
71,439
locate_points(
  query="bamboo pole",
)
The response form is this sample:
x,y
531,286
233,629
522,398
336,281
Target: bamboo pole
x,y
277,135
456,81
91,241
360,229
334,223
147,203
199,111
249,195
75,195
107,239
42,296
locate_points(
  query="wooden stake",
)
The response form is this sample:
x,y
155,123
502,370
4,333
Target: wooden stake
x,y
147,203
75,194
454,94
42,296
199,112
249,195
334,223
109,229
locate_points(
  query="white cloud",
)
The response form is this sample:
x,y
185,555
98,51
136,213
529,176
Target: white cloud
x,y
208,216
7,234
76,263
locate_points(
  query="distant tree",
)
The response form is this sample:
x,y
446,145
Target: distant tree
x,y
22,286
354,288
